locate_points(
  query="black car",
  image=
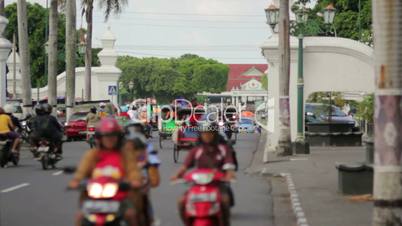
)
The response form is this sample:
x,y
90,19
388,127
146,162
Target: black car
x,y
328,118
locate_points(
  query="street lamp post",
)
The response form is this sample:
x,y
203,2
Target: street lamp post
x,y
272,14
301,145
131,87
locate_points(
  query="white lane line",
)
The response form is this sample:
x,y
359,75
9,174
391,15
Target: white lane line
x,y
298,159
57,173
15,188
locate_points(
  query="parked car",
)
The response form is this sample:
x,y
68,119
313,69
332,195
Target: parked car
x,y
76,127
318,114
246,125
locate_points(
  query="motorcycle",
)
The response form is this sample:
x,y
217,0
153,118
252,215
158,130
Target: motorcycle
x,y
91,136
104,201
47,154
203,200
5,153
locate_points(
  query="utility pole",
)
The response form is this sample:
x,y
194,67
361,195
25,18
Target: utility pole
x,y
284,145
71,38
52,54
387,20
14,67
24,55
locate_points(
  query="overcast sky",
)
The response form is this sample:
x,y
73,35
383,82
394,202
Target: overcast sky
x,y
227,30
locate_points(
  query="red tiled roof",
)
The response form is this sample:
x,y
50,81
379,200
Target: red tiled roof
x,y
235,77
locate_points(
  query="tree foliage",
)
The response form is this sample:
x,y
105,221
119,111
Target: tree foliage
x,y
348,22
37,30
166,79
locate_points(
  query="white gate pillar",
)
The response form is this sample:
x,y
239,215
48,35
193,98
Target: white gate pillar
x,y
5,47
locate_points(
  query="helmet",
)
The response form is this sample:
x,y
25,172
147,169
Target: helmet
x,y
138,139
209,127
47,108
108,126
102,104
9,109
39,109
93,109
124,108
135,126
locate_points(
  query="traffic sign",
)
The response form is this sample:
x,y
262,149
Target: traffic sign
x,y
112,90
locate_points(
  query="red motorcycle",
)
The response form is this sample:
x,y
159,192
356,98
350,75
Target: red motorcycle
x,y
105,197
203,200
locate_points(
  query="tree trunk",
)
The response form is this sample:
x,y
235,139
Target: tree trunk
x,y
24,55
71,38
88,50
2,4
52,54
387,18
284,145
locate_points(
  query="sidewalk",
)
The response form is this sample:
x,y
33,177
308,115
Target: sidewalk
x,y
315,179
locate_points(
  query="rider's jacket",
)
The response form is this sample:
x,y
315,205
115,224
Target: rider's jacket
x,y
217,156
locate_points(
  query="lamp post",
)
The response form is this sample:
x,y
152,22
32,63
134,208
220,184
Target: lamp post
x,y
329,15
301,145
272,14
131,87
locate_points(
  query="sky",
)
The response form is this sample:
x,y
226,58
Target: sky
x,y
230,31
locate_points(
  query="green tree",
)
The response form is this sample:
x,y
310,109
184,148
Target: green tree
x,y
210,77
348,22
166,79
264,82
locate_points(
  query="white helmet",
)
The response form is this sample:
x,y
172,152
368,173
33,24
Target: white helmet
x,y
9,109
102,104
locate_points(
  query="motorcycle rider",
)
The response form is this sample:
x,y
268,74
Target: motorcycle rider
x,y
210,154
10,110
92,117
109,137
7,131
102,110
148,162
45,125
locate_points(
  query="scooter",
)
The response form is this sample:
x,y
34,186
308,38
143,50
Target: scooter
x,y
47,154
203,200
91,136
103,205
5,153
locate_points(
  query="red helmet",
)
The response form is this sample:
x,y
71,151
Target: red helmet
x,y
108,126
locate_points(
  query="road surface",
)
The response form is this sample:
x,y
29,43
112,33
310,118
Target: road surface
x,y
31,196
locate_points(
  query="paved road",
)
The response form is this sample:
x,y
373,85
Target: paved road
x,y
31,196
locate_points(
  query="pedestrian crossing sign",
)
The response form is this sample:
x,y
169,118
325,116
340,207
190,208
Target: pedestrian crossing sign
x,y
112,90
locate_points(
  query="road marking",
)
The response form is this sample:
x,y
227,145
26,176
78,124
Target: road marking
x,y
299,159
15,188
57,173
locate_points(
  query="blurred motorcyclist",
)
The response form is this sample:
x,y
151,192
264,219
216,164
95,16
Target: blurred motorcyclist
x,y
109,135
7,131
92,117
102,110
210,154
10,110
148,162
46,126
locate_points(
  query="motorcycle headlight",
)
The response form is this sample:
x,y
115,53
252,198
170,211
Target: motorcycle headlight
x,y
95,190
203,178
24,123
109,190
220,123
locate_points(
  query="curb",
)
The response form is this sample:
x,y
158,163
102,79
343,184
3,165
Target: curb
x,y
294,198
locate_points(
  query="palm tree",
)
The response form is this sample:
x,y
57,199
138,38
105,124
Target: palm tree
x,y
24,54
284,145
2,7
87,10
71,38
52,54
